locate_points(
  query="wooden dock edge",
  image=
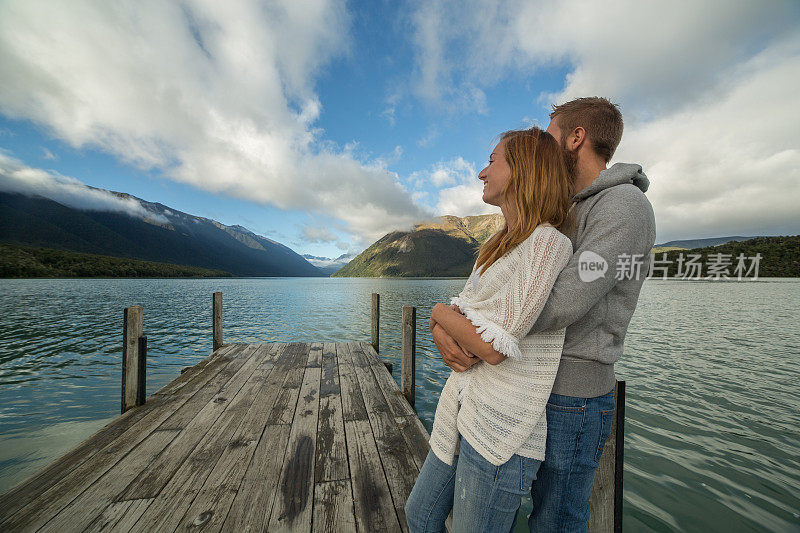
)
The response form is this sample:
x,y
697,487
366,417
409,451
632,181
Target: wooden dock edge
x,y
101,436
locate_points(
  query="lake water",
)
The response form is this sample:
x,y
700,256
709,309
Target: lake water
x,y
713,396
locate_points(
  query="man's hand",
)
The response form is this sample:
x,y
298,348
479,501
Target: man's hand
x,y
452,354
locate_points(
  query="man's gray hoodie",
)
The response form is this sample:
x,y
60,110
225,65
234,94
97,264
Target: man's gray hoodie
x,y
615,220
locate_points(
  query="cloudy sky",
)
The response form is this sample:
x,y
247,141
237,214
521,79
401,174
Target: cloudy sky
x,y
325,124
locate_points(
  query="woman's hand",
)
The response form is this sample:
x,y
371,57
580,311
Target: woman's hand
x,y
431,323
436,310
453,354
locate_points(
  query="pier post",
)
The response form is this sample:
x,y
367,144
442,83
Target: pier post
x,y
605,503
141,382
376,319
133,358
216,311
409,349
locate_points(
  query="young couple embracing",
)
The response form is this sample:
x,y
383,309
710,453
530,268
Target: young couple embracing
x,y
531,339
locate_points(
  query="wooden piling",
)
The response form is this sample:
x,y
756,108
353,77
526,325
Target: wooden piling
x,y
133,364
409,349
216,311
605,503
376,320
141,382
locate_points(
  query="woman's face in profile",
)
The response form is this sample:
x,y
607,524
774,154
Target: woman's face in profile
x,y
495,175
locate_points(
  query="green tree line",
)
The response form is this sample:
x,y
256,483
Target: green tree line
x,y
779,258
30,262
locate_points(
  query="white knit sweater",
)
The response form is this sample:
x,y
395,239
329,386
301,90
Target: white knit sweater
x,y
502,411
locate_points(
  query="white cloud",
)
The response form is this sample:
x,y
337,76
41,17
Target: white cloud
x,y
388,114
48,155
706,88
391,106
16,177
431,135
454,171
464,200
459,193
320,235
732,166
437,31
217,95
653,55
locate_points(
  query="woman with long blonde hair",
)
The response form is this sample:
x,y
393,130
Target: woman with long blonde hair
x,y
489,428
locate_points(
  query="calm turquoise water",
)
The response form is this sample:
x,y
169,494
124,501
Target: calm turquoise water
x,y
713,407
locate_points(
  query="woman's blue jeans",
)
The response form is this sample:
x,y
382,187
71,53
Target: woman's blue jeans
x,y
577,429
483,497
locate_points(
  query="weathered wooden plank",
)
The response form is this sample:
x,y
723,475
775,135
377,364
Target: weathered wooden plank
x,y
329,382
333,507
119,516
150,482
315,355
214,389
372,500
73,479
253,503
366,380
192,372
283,410
33,487
292,509
398,463
416,437
85,508
210,508
394,397
352,401
171,504
214,434
331,454
278,350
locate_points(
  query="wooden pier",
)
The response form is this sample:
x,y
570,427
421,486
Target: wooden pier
x,y
258,437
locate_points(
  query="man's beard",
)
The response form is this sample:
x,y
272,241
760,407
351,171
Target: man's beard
x,y
571,161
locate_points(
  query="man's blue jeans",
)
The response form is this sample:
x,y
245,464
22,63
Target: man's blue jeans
x,y
577,429
483,497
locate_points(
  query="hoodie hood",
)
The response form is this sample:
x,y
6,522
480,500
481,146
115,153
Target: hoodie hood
x,y
618,174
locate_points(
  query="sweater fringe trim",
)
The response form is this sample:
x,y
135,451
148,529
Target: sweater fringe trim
x,y
500,339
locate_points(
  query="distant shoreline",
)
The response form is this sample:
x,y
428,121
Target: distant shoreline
x,y
19,261
779,257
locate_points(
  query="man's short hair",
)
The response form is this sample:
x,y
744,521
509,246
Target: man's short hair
x,y
600,118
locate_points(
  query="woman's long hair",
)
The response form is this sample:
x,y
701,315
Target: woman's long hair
x,y
540,189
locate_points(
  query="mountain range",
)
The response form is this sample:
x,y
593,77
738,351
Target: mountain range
x,y
702,243
445,246
327,265
448,246
162,234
